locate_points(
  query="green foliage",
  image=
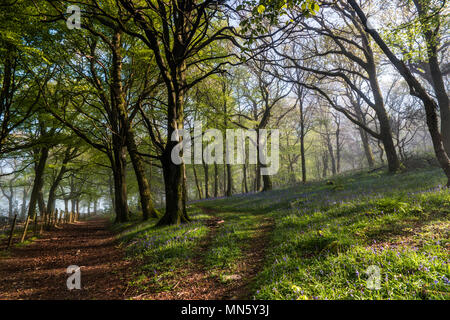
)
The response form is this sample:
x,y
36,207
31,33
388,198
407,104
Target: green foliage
x,y
388,205
324,240
230,242
162,250
410,38
266,13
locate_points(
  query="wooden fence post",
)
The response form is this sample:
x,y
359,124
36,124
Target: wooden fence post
x,y
25,229
12,232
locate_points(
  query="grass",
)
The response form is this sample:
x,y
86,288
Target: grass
x,y
17,235
330,240
325,238
227,248
163,251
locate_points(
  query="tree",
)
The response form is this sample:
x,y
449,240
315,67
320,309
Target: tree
x,y
347,56
416,90
106,79
263,93
421,39
176,32
7,188
20,59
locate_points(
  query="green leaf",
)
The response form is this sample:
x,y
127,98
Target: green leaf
x,y
316,7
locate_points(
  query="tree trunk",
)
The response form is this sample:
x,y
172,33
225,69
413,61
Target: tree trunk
x,y
23,208
120,184
258,166
185,194
52,192
68,155
267,183
389,147
302,155
197,184
432,41
244,178
121,126
331,154
366,146
37,185
363,133
417,90
229,181
148,209
66,209
10,199
72,210
111,191
174,174
383,120
224,189
325,165
436,137
216,180
44,213
338,149
443,101
206,171
77,214
173,183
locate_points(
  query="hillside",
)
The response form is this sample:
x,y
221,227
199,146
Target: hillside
x,y
313,241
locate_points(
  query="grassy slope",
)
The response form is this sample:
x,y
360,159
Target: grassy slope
x,y
324,240
163,251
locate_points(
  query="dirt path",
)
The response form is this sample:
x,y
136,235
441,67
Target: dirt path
x,y
38,270
253,262
195,282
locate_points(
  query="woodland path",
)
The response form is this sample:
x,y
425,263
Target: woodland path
x,y
38,270
196,283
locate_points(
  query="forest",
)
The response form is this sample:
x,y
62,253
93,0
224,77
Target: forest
x,y
224,149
